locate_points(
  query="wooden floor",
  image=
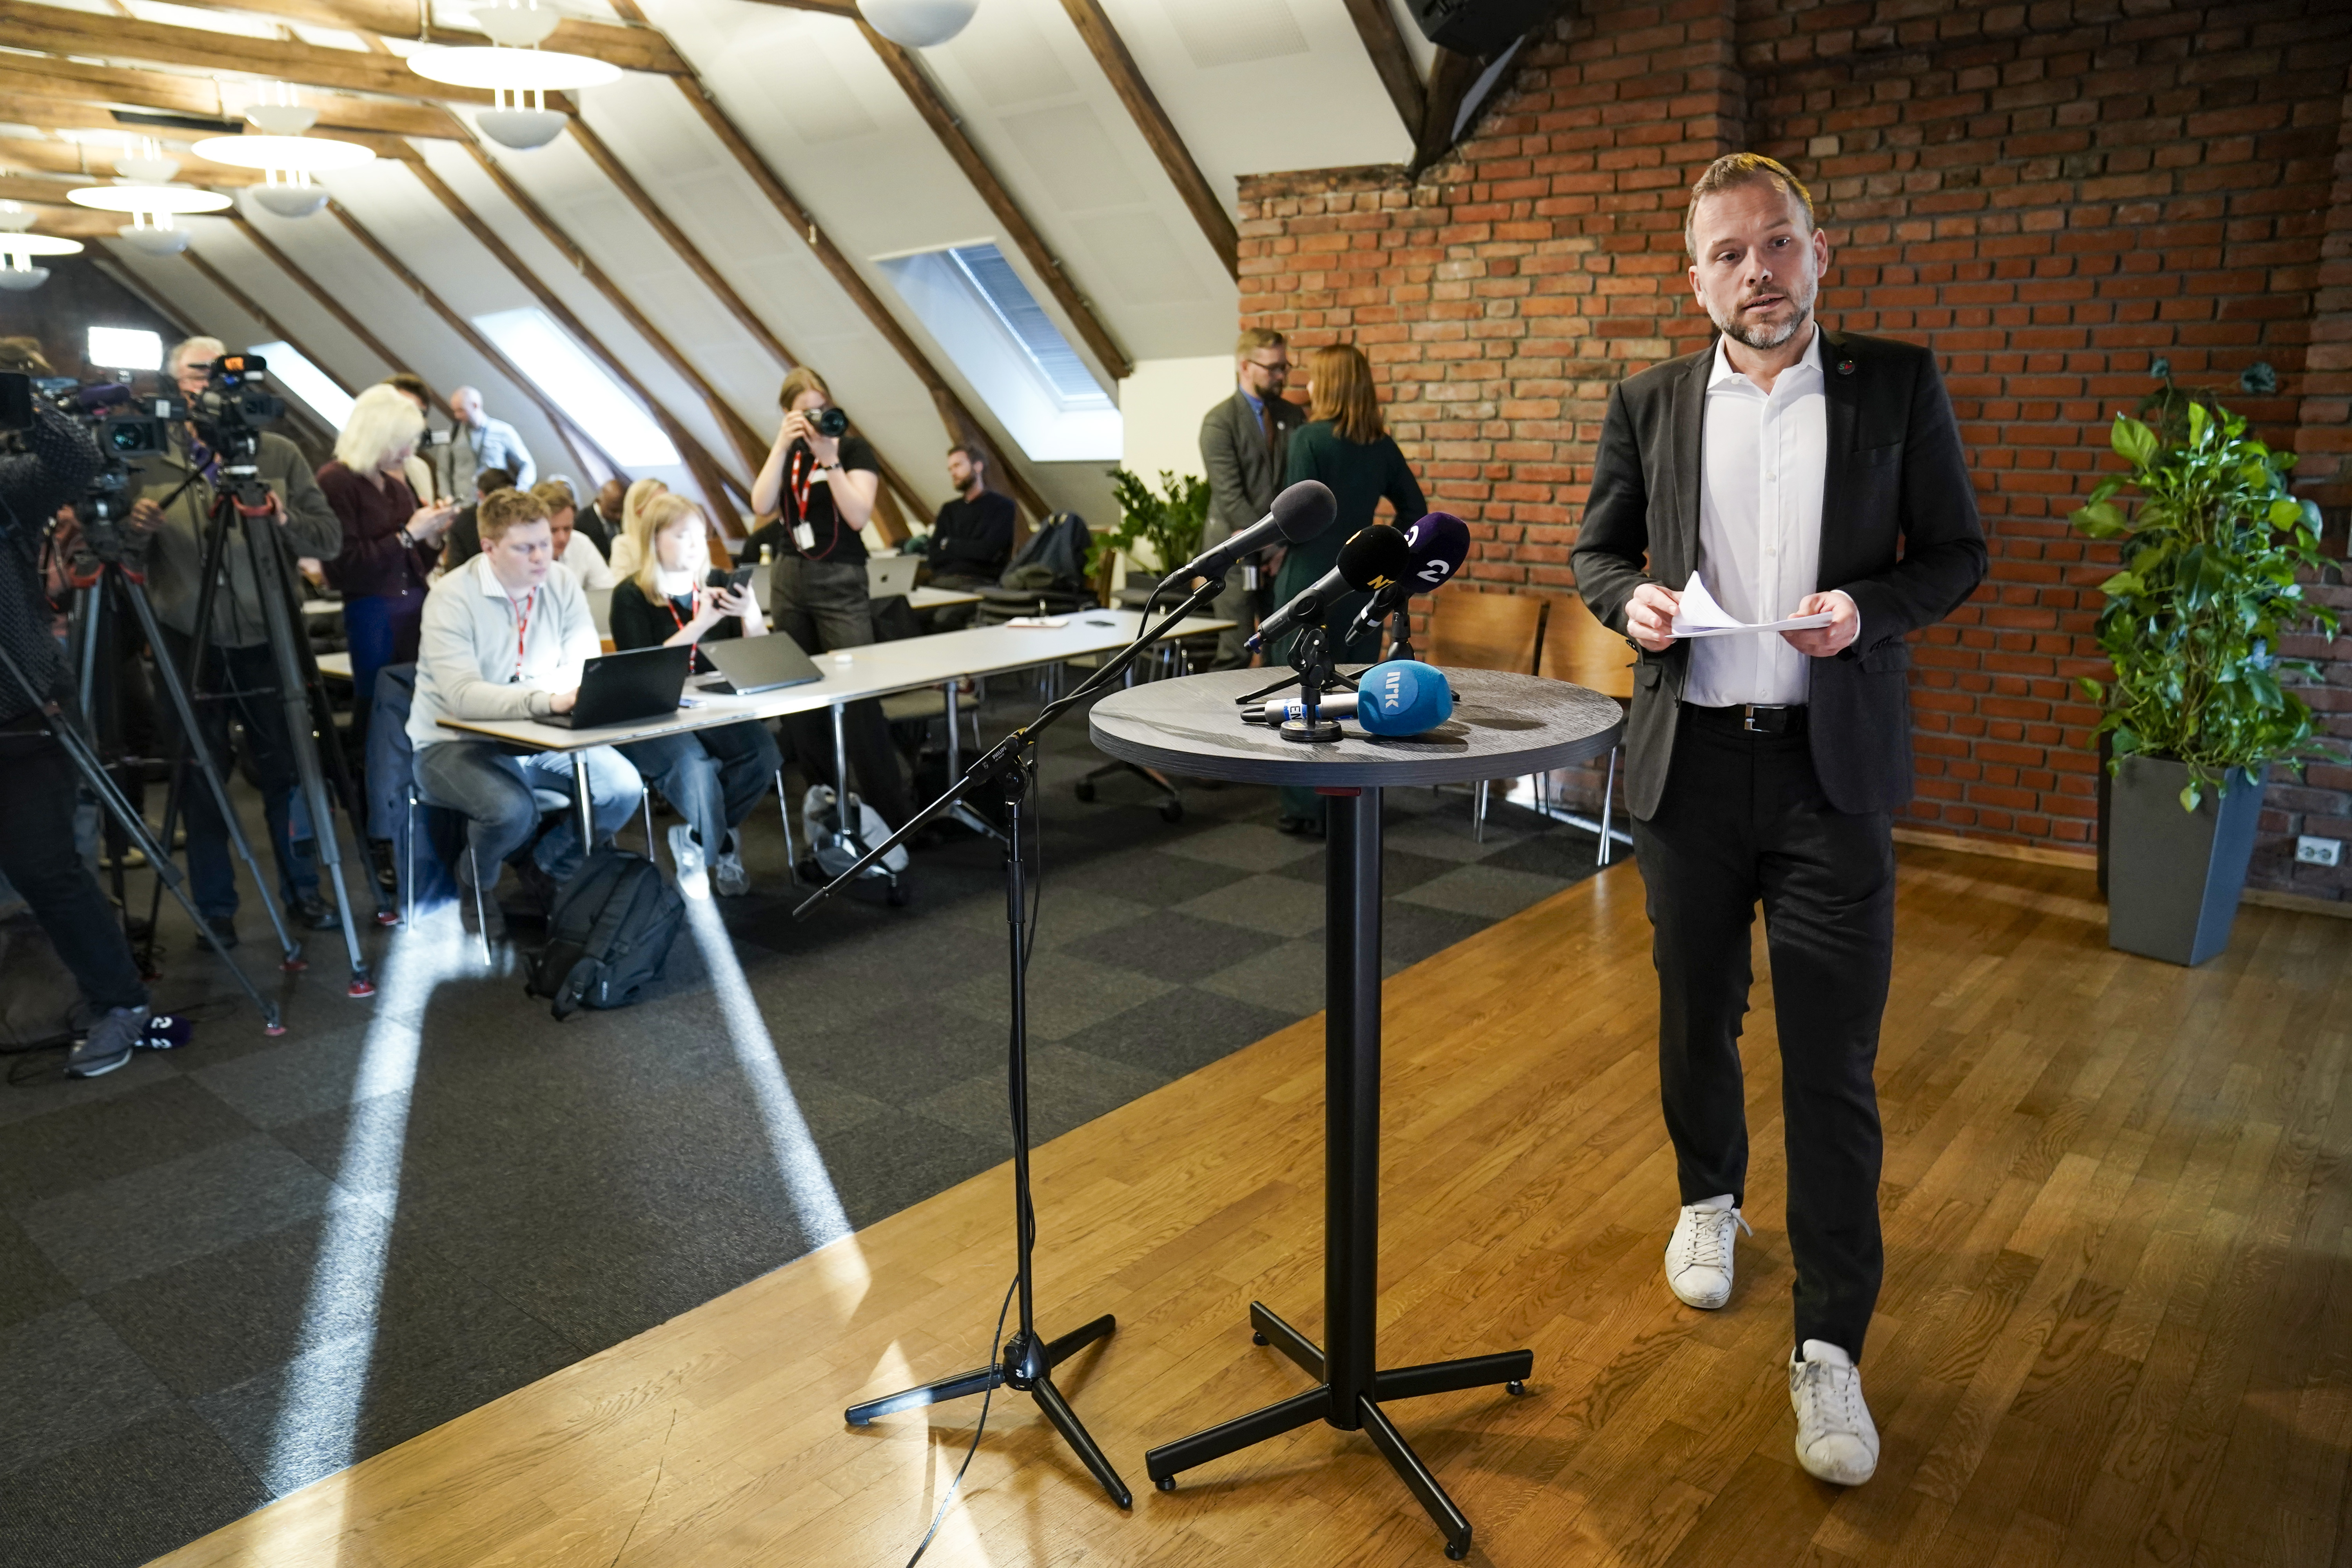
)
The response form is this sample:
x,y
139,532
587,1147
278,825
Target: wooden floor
x,y
2117,1322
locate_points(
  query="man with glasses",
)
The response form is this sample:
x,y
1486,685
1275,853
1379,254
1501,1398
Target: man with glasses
x,y
1244,441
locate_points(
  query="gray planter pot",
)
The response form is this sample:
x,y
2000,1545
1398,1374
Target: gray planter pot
x,y
2174,876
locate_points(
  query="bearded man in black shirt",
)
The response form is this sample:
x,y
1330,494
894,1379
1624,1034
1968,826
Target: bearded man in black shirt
x,y
971,539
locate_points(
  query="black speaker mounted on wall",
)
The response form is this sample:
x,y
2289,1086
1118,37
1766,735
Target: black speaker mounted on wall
x,y
1481,28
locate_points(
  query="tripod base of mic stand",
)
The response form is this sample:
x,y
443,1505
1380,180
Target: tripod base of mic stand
x,y
1028,1368
1510,1368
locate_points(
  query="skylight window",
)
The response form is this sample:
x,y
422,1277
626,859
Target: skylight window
x,y
290,369
576,384
1032,379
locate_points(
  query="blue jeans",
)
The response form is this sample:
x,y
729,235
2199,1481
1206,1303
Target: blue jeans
x,y
381,629
491,788
714,777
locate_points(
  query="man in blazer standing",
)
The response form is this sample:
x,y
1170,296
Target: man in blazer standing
x,y
1245,442
1797,472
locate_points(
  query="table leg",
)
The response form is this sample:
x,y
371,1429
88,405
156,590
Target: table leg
x,y
580,804
955,743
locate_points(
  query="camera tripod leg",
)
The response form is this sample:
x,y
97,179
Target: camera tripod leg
x,y
186,711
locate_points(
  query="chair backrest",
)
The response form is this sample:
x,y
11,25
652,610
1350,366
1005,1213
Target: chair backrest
x,y
1578,649
1485,631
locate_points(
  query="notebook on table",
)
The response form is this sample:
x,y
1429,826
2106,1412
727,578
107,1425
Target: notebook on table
x,y
749,664
627,687
891,576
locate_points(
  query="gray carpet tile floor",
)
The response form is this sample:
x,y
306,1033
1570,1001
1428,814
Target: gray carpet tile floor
x,y
227,1270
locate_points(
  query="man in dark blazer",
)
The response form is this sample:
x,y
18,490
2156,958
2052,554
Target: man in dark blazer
x,y
1795,471
1245,442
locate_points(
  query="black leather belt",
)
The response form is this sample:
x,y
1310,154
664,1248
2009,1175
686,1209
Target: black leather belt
x,y
1750,719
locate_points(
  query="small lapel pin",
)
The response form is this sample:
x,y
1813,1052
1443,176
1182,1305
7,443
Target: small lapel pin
x,y
1846,368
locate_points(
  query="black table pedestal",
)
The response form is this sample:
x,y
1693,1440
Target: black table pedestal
x,y
1350,1385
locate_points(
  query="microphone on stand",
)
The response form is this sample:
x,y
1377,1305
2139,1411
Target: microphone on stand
x,y
1298,514
1374,558
1440,543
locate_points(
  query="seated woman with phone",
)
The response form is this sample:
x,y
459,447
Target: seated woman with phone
x,y
715,776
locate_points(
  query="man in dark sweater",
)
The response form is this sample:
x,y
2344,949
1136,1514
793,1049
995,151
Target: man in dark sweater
x,y
971,539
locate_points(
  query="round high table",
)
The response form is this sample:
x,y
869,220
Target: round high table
x,y
1504,726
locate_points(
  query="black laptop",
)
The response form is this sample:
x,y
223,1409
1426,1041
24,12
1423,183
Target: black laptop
x,y
627,687
746,665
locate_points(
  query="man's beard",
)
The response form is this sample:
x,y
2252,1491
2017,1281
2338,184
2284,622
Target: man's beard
x,y
1767,338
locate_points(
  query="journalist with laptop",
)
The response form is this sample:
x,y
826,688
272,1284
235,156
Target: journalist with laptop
x,y
506,637
715,776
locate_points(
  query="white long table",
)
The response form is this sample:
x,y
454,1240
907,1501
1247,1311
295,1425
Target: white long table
x,y
877,669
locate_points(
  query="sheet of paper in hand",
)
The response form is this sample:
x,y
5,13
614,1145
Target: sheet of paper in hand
x,y
1698,615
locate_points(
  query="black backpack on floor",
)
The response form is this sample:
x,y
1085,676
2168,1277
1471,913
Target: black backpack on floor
x,y
608,935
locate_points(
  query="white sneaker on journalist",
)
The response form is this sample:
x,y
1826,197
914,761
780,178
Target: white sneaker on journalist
x,y
1699,1255
1836,1439
686,855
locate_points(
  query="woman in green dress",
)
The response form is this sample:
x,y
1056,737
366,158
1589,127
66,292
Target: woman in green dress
x,y
1344,445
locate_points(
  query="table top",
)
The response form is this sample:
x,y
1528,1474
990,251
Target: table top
x,y
929,599
1503,726
877,669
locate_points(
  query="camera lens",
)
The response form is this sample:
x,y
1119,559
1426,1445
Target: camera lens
x,y
831,422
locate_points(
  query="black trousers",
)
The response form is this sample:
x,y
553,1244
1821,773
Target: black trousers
x,y
822,606
1744,819
37,794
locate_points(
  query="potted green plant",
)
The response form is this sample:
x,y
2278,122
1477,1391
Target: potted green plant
x,y
2198,707
1167,525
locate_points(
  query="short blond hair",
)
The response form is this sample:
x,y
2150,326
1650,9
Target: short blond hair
x,y
503,509
555,495
1736,169
803,379
1256,338
381,421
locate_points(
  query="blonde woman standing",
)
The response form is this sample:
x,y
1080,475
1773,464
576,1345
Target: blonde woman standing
x,y
629,545
714,777
390,542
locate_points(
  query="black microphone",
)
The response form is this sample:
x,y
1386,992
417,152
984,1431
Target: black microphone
x,y
1298,514
1373,559
1440,543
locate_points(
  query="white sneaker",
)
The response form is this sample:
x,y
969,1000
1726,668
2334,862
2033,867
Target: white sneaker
x,y
686,855
733,882
1836,1440
1699,1256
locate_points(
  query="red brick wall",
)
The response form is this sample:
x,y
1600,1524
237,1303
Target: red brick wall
x,y
2052,196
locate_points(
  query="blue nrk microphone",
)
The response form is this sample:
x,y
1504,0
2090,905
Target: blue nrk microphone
x,y
1401,697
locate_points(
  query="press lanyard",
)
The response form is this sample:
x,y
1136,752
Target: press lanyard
x,y
522,608
803,533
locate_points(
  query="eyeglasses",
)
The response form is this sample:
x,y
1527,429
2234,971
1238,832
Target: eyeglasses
x,y
1269,364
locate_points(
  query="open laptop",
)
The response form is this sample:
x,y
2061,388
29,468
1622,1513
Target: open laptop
x,y
891,576
746,665
627,687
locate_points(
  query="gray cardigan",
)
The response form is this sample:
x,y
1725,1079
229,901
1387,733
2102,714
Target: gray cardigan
x,y
466,654
175,551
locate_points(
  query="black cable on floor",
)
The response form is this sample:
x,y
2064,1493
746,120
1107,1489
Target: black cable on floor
x,y
997,1337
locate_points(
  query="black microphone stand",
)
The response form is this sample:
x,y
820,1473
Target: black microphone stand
x,y
1027,1363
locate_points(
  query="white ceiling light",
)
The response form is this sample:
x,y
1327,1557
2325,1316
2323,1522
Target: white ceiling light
x,y
144,160
917,23
18,272
289,154
16,217
286,158
149,199
281,112
294,197
153,234
518,74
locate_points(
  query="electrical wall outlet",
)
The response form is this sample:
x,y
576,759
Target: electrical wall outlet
x,y
2310,851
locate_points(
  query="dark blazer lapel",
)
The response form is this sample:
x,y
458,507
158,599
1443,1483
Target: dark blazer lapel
x,y
1689,413
1840,399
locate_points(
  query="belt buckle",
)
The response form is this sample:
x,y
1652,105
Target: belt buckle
x,y
1748,719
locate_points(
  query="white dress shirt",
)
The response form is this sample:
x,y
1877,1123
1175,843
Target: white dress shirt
x,y
1760,526
587,561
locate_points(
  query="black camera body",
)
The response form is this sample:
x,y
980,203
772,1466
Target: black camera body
x,y
831,421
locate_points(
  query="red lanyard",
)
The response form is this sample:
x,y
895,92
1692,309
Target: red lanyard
x,y
522,625
800,482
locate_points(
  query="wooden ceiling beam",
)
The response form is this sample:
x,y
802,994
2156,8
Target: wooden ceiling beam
x,y
1376,24
750,448
1159,132
491,353
169,93
699,459
948,126
959,423
53,31
95,166
631,48
333,306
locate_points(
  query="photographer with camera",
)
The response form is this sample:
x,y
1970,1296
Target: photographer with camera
x,y
714,777
821,481
178,491
38,781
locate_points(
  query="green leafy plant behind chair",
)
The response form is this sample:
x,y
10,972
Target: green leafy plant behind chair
x,y
1166,526
2213,549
